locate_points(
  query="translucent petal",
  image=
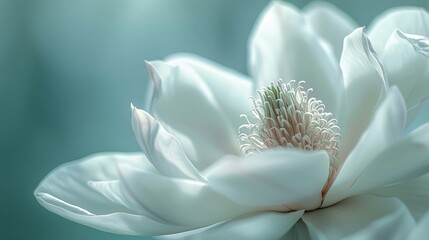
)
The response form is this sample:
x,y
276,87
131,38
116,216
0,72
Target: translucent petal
x,y
180,201
163,150
187,99
365,86
330,23
384,130
406,58
74,191
282,46
407,19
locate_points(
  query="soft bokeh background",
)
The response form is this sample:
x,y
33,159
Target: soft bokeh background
x,y
70,68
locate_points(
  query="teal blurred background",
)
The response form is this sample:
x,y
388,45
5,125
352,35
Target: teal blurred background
x,y
70,68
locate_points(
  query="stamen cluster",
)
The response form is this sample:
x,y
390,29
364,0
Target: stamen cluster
x,y
285,116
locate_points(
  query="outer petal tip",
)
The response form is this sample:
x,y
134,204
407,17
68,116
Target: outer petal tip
x,y
163,149
92,192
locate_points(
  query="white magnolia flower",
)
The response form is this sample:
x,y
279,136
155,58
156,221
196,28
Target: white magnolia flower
x,y
298,168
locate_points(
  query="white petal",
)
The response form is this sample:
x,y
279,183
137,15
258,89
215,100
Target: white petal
x,y
413,193
419,116
330,23
421,230
360,217
407,19
266,225
184,100
289,178
231,89
299,231
406,58
405,160
364,88
385,129
282,45
180,201
419,43
70,192
163,150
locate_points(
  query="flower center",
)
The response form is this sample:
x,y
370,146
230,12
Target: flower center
x,y
285,117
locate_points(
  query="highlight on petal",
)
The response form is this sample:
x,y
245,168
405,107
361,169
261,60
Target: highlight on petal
x,y
406,57
362,73
287,178
265,225
74,191
411,20
384,130
282,46
163,150
361,217
330,23
189,107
